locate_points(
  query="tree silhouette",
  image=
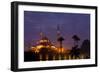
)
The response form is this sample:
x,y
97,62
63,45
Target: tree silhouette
x,y
76,39
75,52
75,49
85,48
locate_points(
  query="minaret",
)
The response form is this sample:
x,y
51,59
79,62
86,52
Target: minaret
x,y
58,31
41,35
59,37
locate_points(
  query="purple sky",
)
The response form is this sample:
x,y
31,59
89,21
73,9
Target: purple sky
x,y
70,24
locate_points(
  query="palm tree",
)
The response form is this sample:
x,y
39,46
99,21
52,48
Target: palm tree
x,y
76,39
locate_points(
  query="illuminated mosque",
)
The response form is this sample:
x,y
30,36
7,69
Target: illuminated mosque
x,y
45,43
46,50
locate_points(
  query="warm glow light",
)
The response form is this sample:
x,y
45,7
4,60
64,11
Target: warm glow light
x,y
62,50
40,57
53,57
46,57
53,47
32,47
43,41
39,46
36,50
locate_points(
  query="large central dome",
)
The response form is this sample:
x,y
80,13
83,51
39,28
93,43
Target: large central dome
x,y
44,41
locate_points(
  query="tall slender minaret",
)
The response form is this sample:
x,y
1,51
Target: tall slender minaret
x,y
41,35
60,39
58,31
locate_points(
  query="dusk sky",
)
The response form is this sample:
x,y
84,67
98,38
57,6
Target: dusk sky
x,y
70,24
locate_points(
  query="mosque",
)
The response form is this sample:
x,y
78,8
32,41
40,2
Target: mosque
x,y
44,44
46,50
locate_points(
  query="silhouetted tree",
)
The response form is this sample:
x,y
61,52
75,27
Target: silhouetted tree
x,y
75,52
85,48
76,39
